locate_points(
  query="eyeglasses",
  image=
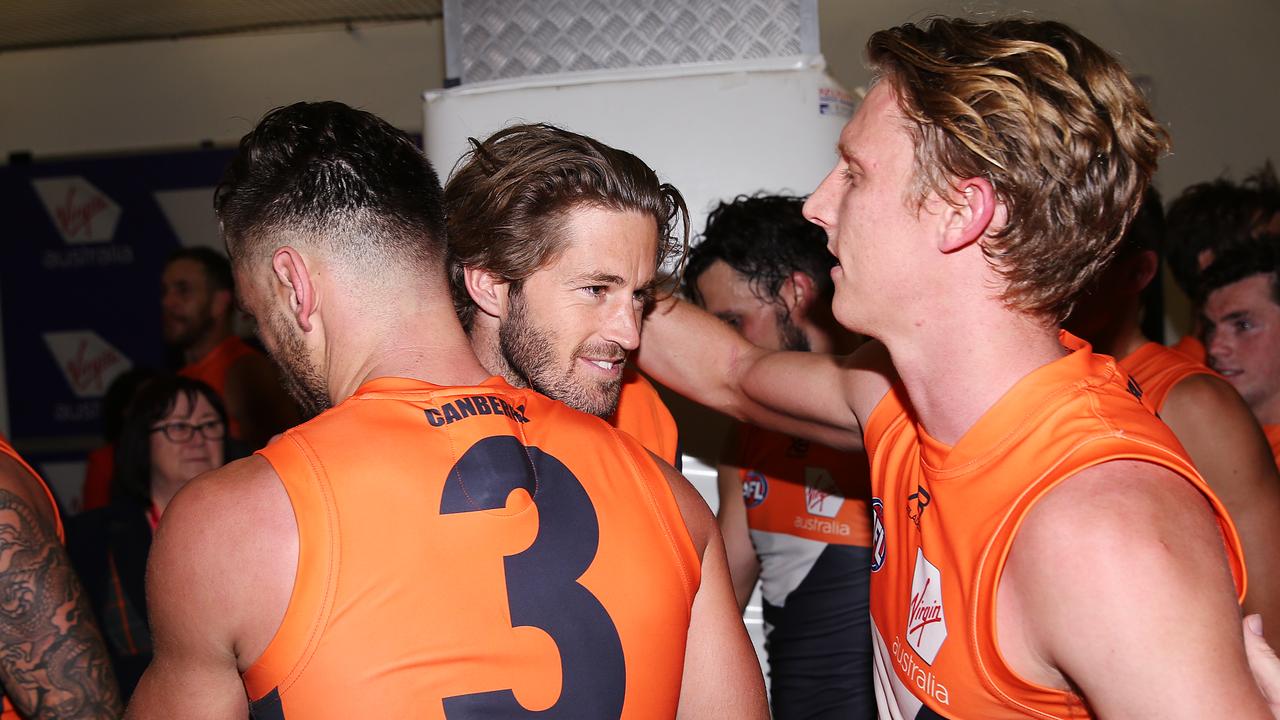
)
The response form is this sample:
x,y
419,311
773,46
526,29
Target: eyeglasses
x,y
181,432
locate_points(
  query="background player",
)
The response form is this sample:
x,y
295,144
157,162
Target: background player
x,y
198,302
794,514
555,243
1206,413
980,186
1242,328
472,553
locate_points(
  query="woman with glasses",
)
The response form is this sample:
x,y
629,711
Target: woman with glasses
x,y
173,430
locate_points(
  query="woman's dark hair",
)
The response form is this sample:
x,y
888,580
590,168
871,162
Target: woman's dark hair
x,y
153,401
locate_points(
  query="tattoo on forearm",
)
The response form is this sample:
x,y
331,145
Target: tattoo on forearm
x,y
52,660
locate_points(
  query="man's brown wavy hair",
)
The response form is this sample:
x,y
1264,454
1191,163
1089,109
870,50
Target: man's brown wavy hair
x,y
508,200
1050,119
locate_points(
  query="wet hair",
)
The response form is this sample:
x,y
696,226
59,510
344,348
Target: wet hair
x,y
217,269
152,402
1255,256
1051,120
1214,216
339,178
765,238
509,197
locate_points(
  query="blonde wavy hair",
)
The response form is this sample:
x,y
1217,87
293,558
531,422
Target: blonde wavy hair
x,y
1050,119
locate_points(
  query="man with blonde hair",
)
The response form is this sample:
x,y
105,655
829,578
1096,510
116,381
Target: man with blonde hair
x,y
1042,545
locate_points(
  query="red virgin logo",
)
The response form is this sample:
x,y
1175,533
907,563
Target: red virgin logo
x,y
923,614
88,362
81,212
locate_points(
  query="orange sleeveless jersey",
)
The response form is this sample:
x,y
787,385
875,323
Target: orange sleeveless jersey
x,y
7,711
212,370
475,552
804,489
1273,438
1157,369
642,415
945,519
1191,346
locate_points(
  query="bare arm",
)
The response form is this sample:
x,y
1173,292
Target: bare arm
x,y
1220,433
53,663
722,677
809,395
218,581
1263,662
744,565
257,401
1117,585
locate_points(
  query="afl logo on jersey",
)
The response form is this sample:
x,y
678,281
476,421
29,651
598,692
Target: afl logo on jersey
x,y
755,487
877,534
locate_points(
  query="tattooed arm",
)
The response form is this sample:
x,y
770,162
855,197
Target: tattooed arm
x,y
53,663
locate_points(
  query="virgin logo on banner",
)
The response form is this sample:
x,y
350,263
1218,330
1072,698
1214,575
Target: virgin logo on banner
x,y
81,212
88,362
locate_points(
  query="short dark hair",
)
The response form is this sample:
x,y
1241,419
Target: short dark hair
x,y
508,196
217,269
355,185
765,238
1255,256
1216,215
154,400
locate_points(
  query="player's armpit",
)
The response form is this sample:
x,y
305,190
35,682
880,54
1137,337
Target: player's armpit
x,y
1262,661
1118,586
54,663
1229,449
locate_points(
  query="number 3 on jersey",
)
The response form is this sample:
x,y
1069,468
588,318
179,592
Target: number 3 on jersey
x,y
542,581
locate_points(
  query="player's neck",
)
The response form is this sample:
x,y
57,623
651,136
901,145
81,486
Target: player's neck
x,y
955,375
420,342
198,350
1122,340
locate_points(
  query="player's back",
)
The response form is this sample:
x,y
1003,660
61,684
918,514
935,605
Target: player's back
x,y
475,552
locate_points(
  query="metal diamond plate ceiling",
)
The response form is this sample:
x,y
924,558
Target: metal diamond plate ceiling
x,y
499,39
27,24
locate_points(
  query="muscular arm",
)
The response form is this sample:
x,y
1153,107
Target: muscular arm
x,y
53,663
1220,433
722,677
809,395
1117,585
218,579
256,400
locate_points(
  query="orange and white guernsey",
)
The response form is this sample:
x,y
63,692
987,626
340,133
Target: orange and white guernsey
x,y
475,552
1157,369
946,517
7,710
1191,346
212,370
642,415
1273,439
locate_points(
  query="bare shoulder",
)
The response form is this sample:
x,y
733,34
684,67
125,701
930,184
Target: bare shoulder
x,y
19,487
1205,396
693,508
869,377
226,554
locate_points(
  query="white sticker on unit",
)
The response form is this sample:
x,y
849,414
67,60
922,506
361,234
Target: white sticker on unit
x,y
926,622
88,362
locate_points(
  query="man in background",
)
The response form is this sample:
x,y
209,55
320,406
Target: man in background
x,y
198,306
795,515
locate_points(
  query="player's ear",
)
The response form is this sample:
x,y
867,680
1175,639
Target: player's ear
x,y
797,294
294,281
487,290
968,213
1144,269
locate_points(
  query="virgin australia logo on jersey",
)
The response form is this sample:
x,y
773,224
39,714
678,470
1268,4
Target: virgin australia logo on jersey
x,y
926,623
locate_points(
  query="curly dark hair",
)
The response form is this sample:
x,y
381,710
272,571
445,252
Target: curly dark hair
x,y
765,238
1214,216
1254,256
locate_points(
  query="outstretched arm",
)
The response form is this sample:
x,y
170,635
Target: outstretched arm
x,y
1228,448
53,663
810,395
